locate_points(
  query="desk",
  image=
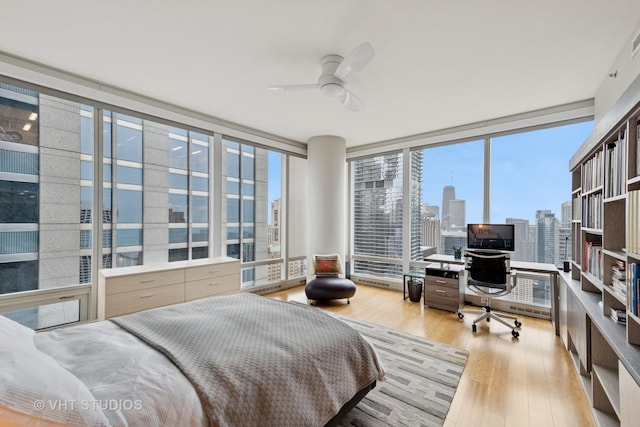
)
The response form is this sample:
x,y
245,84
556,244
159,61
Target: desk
x,y
534,267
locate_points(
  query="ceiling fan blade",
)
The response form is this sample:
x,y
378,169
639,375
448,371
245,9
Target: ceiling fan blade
x,y
295,87
355,61
350,100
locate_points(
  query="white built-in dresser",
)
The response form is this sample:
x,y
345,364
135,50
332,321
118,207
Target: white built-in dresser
x,y
130,289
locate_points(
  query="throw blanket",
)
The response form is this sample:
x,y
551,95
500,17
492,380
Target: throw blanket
x,y
256,361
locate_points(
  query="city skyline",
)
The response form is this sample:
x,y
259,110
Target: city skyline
x,y
522,181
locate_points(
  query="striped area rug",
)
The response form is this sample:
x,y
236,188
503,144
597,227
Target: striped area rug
x,y
421,379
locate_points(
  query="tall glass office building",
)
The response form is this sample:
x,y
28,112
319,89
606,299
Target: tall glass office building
x,y
378,213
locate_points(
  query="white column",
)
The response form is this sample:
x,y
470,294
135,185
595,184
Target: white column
x,y
326,197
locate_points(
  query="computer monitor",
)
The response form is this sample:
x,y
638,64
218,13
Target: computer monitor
x,y
491,236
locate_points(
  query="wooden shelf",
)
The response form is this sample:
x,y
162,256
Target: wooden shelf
x,y
603,172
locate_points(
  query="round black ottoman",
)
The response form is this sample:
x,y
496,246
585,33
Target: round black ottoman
x,y
326,288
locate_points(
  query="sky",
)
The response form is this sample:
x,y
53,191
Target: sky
x,y
529,172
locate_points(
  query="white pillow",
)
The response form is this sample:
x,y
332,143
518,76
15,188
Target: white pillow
x,y
34,388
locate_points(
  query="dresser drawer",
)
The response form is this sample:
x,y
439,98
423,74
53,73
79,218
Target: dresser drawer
x,y
133,282
212,271
142,299
212,286
441,281
442,297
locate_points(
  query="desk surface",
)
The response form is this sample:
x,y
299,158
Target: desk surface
x,y
517,265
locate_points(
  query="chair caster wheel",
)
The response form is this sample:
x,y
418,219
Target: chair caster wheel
x,y
515,334
474,328
460,316
518,324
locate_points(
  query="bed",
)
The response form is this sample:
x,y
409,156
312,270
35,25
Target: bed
x,y
227,361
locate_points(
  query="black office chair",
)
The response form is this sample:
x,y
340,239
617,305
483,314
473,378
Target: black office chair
x,y
490,276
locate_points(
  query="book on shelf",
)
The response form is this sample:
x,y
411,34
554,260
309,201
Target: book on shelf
x,y
638,148
615,166
619,316
633,287
592,260
633,202
592,172
619,278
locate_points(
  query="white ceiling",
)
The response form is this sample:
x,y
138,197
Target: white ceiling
x,y
438,63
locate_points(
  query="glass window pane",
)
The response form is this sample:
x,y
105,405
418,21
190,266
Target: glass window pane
x,y
106,206
129,237
106,134
106,172
233,250
233,164
86,135
200,209
248,232
129,206
18,276
18,202
233,187
178,235
181,254
200,184
47,315
248,189
247,211
178,154
86,204
86,170
529,188
129,143
377,213
199,158
248,168
452,194
233,233
200,252
178,208
233,210
200,234
128,175
178,181
85,239
127,259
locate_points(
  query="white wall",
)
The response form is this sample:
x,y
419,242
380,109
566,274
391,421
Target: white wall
x,y
626,69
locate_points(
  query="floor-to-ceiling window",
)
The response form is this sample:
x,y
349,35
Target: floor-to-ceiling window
x,y
530,188
528,185
252,223
378,194
452,195
61,161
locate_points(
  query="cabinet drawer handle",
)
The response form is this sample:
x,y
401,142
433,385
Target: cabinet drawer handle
x,y
441,281
213,284
214,272
441,291
148,281
147,296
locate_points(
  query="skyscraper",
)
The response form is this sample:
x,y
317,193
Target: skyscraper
x,y
448,194
457,214
378,211
548,237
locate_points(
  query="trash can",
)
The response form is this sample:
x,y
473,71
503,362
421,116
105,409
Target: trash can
x,y
415,290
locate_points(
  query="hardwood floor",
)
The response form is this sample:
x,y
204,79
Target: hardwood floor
x,y
506,382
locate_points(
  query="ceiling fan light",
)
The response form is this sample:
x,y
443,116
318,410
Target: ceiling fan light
x,y
332,89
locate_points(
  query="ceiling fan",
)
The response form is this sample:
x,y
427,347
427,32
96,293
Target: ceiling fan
x,y
336,71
